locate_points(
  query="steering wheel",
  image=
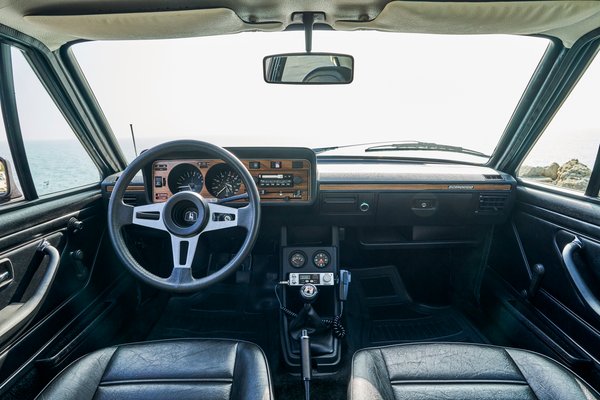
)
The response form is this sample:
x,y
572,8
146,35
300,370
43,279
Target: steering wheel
x,y
185,216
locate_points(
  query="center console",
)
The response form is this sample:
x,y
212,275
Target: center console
x,y
312,291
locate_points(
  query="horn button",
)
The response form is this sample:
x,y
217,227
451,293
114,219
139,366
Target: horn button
x,y
185,214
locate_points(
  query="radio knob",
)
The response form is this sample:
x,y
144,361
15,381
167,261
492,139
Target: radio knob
x,y
327,278
298,180
364,206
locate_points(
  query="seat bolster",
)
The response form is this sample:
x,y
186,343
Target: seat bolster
x,y
548,379
183,369
80,380
461,371
251,376
370,376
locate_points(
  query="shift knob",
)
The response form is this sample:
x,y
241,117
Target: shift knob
x,y
308,292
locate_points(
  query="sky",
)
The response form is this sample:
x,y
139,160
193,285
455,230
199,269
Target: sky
x,y
458,90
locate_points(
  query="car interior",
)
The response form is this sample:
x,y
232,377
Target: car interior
x,y
295,260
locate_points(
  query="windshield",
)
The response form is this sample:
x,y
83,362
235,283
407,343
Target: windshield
x,y
452,90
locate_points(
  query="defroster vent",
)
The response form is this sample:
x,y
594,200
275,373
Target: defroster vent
x,y
493,177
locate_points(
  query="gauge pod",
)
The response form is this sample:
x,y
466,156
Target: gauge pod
x,y
185,177
297,259
321,259
222,181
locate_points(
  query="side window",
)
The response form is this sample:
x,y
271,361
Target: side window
x,y
57,159
564,155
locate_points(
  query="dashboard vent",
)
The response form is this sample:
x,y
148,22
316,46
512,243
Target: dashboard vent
x,y
130,199
492,203
495,177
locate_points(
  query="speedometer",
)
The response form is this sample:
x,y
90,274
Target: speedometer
x,y
185,177
222,181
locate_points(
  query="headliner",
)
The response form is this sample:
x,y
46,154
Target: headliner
x,y
56,22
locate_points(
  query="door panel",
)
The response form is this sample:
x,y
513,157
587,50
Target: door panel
x,y
77,303
50,222
563,315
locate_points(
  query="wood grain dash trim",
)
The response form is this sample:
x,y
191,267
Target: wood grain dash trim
x,y
387,187
129,188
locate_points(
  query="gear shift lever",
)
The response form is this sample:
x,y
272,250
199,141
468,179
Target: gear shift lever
x,y
305,358
309,293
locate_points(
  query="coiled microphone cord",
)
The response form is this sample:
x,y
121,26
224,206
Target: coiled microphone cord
x,y
334,324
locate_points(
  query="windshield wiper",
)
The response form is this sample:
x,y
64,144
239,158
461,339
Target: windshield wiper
x,y
318,150
425,146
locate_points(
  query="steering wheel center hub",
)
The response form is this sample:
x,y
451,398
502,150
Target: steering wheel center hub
x,y
186,214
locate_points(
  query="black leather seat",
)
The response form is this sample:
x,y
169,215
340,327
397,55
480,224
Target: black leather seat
x,y
169,369
461,371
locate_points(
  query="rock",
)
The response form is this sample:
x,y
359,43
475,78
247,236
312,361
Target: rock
x,y
528,171
537,172
573,175
551,171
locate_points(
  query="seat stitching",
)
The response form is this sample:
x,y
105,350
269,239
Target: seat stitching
x,y
235,363
160,380
459,382
520,372
387,371
351,386
116,348
268,373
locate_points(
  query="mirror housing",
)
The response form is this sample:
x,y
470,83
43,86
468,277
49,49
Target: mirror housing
x,y
4,180
309,69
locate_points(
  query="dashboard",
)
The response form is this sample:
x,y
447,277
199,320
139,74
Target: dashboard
x,y
424,198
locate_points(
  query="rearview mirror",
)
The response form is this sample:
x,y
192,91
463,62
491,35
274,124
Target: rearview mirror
x,y
4,180
309,68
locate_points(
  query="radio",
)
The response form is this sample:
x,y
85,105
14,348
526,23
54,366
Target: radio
x,y
319,279
275,180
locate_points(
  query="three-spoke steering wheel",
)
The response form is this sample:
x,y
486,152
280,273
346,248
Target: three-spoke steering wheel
x,y
184,216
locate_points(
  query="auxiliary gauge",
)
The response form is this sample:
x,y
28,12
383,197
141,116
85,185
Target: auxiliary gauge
x,y
297,259
321,259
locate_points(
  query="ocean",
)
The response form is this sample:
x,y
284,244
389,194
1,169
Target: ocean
x,y
58,165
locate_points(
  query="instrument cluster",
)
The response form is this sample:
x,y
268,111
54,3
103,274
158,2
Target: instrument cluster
x,y
277,180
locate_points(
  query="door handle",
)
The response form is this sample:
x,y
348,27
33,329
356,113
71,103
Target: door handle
x,y
585,293
16,316
6,272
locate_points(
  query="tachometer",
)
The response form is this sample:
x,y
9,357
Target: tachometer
x,y
185,177
222,181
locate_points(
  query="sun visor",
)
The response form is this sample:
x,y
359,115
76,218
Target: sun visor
x,y
148,25
566,20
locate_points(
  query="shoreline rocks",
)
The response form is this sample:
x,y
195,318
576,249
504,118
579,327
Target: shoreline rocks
x,y
3,182
570,175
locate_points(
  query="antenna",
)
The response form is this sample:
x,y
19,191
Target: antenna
x,y
133,138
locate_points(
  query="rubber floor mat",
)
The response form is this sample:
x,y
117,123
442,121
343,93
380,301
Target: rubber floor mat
x,y
222,312
432,325
380,311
